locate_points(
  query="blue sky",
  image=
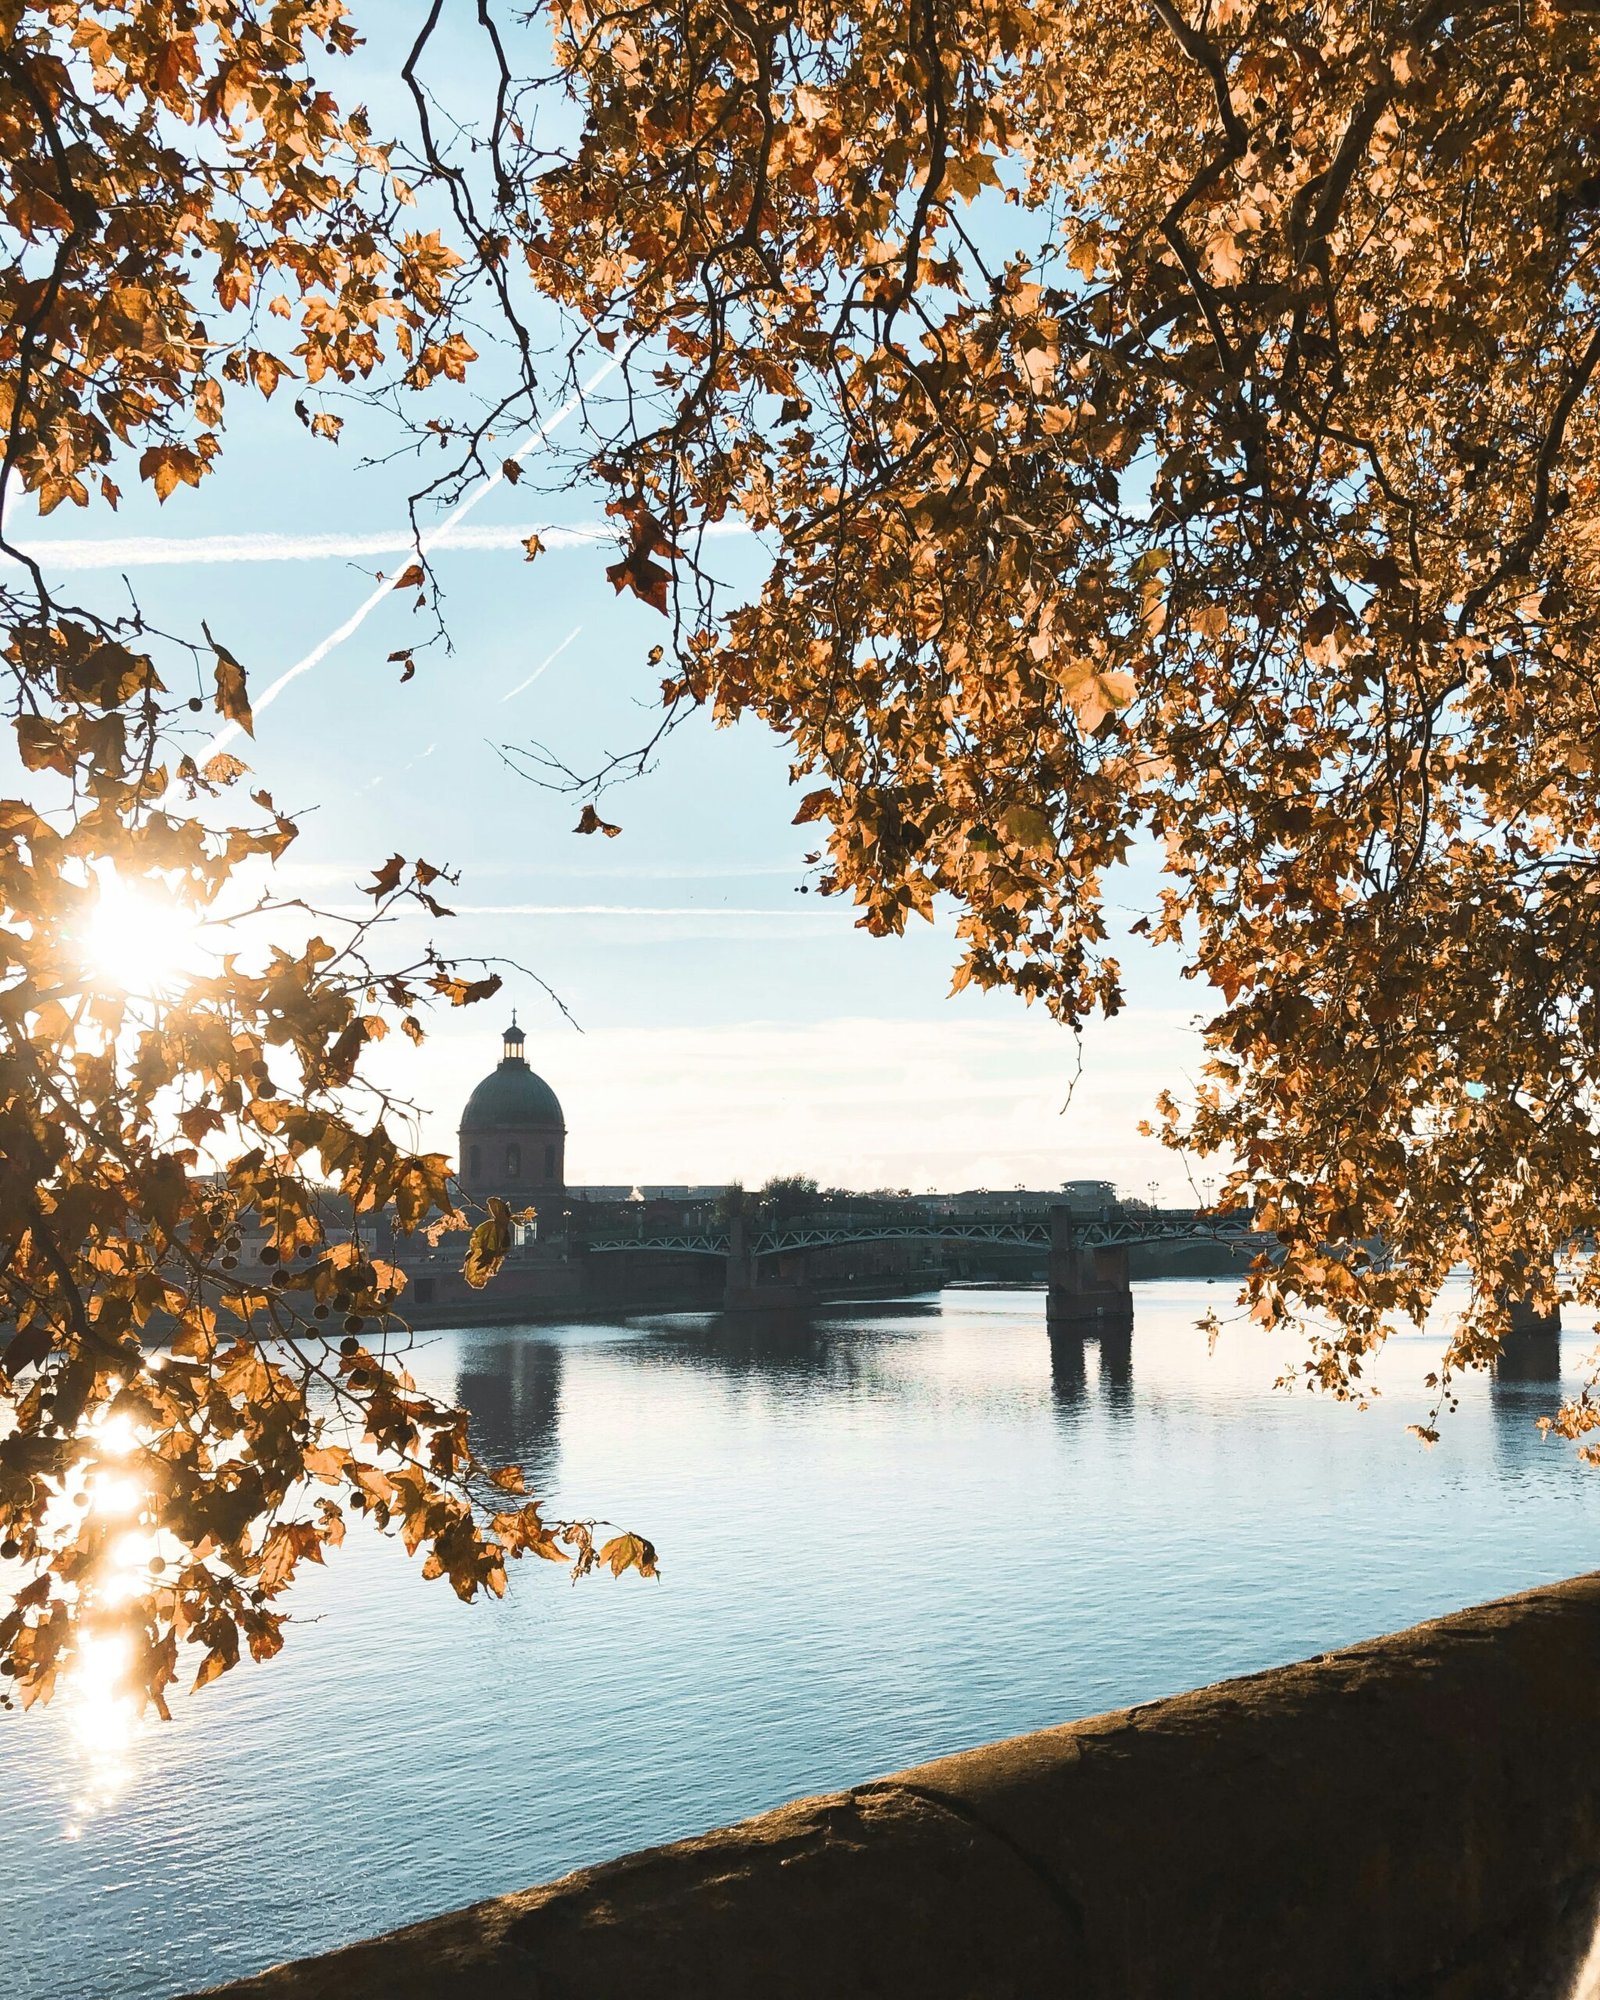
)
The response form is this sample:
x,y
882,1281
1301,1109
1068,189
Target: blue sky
x,y
729,1025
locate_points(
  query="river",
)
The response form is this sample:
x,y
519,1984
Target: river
x,y
896,1530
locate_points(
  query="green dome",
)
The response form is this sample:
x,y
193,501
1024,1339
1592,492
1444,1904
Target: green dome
x,y
512,1096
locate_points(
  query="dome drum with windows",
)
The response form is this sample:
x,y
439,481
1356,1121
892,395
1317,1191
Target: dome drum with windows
x,y
513,1137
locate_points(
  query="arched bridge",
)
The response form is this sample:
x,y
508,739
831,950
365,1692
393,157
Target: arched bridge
x,y
1088,1253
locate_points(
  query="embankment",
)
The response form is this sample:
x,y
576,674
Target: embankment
x,y
1417,1818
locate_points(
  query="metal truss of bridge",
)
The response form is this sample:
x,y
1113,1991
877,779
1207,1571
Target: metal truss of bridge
x,y
1116,1228
1088,1255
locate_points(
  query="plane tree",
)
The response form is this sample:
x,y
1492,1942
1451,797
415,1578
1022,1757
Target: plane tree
x,y
187,215
1174,430
1170,432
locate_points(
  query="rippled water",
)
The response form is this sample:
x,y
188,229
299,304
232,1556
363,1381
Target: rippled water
x,y
886,1534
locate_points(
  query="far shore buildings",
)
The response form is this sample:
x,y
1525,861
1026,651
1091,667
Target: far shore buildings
x,y
610,1248
513,1143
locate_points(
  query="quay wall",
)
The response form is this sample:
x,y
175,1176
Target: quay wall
x,y
1415,1818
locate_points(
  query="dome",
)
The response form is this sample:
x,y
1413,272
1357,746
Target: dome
x,y
512,1095
513,1137
513,1133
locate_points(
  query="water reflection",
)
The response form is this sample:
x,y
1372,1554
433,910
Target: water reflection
x,y
106,1725
1116,1366
1530,1357
1069,1369
511,1384
789,1348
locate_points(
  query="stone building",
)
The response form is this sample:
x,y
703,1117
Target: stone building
x,y
513,1139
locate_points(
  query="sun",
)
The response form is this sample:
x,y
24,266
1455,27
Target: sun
x,y
139,937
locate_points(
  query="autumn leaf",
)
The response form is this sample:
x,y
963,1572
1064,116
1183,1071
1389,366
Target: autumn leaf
x,y
232,701
199,1122
168,467
267,370
639,573
1029,828
487,1247
387,879
625,1552
288,1544
465,992
813,806
589,821
370,1482
214,1664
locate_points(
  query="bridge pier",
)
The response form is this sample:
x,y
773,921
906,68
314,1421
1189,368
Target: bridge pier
x,y
1526,1318
739,1284
744,1289
1089,1287
1531,1350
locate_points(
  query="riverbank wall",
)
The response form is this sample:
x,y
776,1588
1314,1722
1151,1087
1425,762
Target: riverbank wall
x,y
1416,1818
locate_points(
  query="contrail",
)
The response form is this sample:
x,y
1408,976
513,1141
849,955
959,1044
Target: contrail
x,y
717,913
535,435
373,783
260,546
548,661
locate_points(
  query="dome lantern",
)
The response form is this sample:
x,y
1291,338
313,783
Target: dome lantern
x,y
511,1044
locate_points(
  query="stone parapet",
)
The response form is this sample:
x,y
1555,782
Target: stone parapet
x,y
1417,1818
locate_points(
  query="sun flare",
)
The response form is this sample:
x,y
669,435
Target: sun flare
x,y
105,1724
139,937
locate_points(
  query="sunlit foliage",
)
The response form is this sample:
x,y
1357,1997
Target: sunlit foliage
x,y
186,214
1176,430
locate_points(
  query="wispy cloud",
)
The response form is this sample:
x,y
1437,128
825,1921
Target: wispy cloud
x,y
548,661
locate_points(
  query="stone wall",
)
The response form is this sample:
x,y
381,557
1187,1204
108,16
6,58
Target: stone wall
x,y
1413,1819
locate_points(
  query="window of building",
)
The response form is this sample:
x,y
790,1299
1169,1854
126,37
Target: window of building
x,y
475,1162
549,1163
513,1163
